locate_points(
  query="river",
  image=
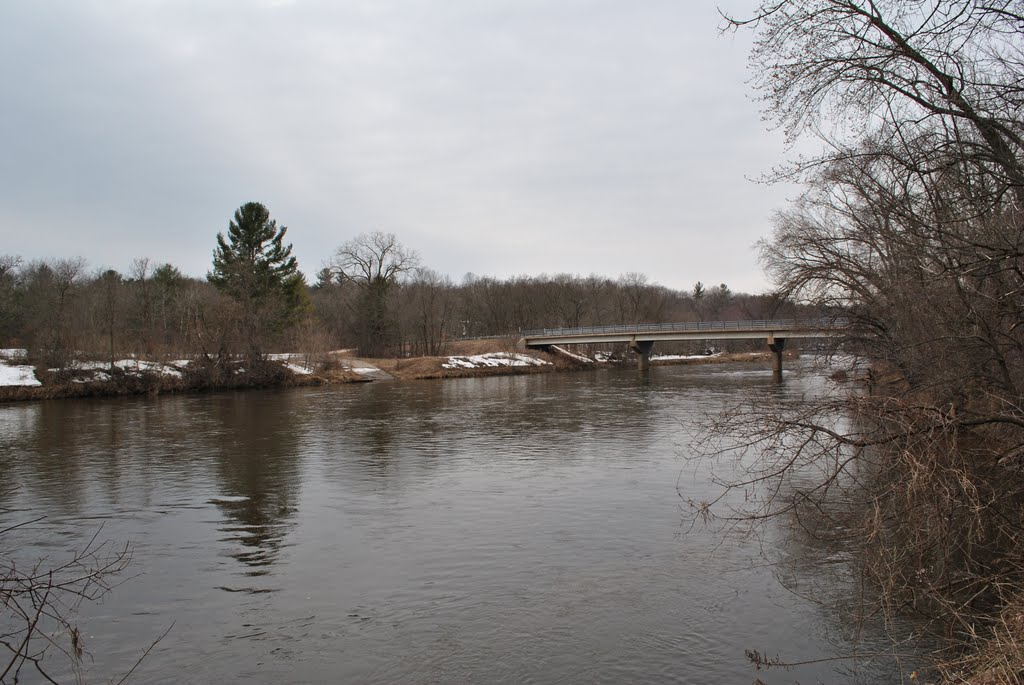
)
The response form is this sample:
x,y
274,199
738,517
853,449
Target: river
x,y
522,529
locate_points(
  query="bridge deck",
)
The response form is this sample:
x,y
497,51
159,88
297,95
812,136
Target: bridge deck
x,y
693,330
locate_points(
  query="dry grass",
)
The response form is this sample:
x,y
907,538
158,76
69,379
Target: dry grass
x,y
415,367
483,346
1000,659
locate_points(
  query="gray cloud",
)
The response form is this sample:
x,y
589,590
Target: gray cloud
x,y
495,137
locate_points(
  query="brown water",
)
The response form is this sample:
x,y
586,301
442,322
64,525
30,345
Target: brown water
x,y
516,529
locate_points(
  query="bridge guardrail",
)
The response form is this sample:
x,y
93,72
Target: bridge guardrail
x,y
689,326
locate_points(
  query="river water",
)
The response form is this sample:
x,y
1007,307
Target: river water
x,y
512,529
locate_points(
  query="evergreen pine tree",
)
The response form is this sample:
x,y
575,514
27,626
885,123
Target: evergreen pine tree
x,y
255,268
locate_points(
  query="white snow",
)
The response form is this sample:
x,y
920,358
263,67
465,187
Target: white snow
x,y
13,353
138,366
18,375
132,366
604,357
681,357
284,356
296,362
577,357
492,359
101,376
364,369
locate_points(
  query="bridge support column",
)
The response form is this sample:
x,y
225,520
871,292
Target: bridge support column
x,y
643,348
776,345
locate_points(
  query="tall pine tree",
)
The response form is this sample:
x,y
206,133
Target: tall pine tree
x,y
255,268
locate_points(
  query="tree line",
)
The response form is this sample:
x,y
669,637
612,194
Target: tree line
x,y
374,295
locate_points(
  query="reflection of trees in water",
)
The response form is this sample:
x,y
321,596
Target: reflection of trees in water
x,y
56,471
79,457
76,444
81,450
812,519
392,433
548,409
258,465
815,557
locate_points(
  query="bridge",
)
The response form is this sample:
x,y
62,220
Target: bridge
x,y
641,337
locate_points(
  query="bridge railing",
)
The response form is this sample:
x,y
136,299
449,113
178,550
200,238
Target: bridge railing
x,y
689,326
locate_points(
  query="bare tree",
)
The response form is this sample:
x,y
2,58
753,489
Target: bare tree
x,y
944,70
374,263
374,258
10,319
50,288
911,228
110,281
429,311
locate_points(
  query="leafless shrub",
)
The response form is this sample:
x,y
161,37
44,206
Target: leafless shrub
x,y
40,602
40,606
910,227
918,496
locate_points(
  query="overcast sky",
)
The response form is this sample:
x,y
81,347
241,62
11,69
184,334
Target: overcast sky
x,y
497,137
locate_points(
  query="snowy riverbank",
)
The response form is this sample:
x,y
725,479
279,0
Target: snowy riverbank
x,y
20,379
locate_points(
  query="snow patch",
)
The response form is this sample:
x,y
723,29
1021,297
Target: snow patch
x,y
577,357
682,357
129,366
13,353
18,375
285,356
492,359
295,362
101,376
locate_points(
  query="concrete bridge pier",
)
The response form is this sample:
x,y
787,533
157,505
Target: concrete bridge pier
x,y
643,348
776,345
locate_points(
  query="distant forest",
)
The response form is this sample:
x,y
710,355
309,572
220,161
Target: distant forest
x,y
375,296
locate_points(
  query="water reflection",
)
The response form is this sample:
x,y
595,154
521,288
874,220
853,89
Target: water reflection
x,y
813,555
258,467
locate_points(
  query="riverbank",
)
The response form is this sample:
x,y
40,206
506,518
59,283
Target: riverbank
x,y
20,380
489,364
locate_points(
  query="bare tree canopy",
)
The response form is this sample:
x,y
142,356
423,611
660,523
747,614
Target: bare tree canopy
x,y
374,258
375,262
902,70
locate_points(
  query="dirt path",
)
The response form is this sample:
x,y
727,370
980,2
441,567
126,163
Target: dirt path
x,y
367,370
